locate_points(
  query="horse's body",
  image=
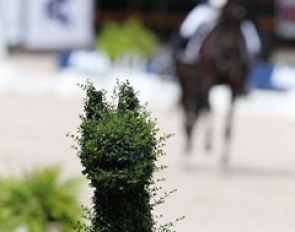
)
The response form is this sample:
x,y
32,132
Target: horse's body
x,y
222,59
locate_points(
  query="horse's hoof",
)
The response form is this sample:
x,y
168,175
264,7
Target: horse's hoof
x,y
224,167
186,164
208,148
225,172
188,148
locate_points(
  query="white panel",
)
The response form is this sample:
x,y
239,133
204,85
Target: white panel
x,y
59,24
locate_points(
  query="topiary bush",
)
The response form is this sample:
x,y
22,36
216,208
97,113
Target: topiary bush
x,y
118,148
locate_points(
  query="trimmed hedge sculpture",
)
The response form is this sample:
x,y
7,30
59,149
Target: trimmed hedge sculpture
x,y
118,148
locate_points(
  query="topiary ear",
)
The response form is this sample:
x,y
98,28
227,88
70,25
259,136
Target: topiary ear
x,y
95,102
127,98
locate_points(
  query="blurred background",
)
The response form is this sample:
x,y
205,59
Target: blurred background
x,y
48,46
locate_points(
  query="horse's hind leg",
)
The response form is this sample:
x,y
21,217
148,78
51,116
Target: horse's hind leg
x,y
209,126
190,120
228,134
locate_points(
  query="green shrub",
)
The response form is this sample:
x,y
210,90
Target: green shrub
x,y
38,198
116,39
118,148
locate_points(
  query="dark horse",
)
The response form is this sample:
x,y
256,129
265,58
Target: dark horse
x,y
223,60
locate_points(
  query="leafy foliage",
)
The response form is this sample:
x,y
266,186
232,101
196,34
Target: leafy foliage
x,y
118,147
38,198
116,39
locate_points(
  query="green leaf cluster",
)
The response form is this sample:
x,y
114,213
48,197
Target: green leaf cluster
x,y
118,148
38,198
116,39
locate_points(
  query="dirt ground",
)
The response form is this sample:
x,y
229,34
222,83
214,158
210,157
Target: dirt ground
x,y
256,194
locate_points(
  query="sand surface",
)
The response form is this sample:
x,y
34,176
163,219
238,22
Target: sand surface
x,y
257,193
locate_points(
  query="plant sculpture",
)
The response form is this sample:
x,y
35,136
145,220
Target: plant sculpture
x,y
118,149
